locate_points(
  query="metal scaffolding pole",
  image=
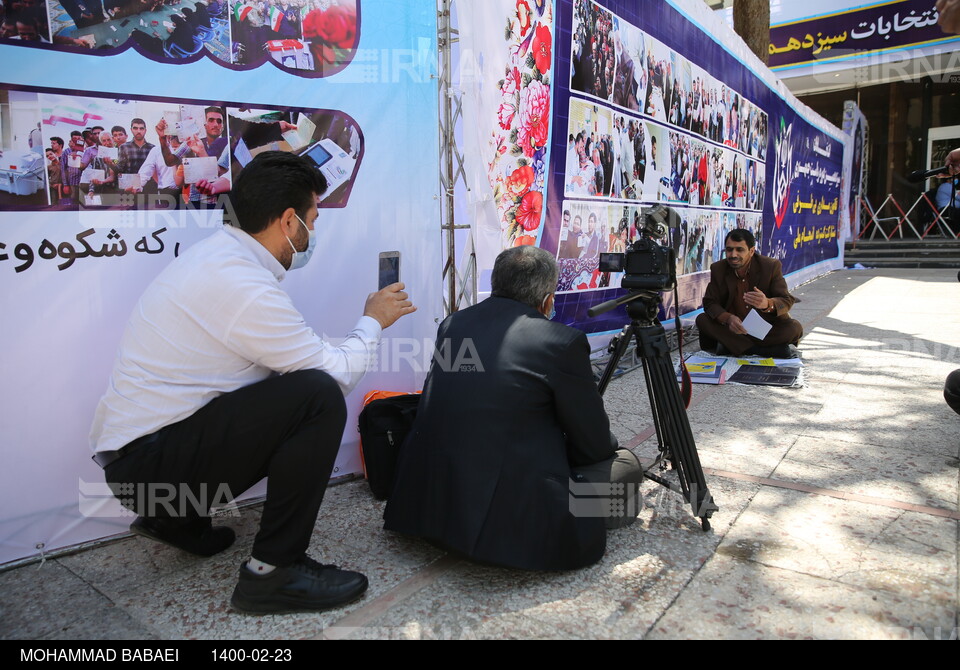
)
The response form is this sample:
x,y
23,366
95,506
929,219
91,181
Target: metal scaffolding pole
x,y
459,279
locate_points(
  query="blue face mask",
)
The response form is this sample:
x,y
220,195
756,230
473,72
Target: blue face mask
x,y
301,258
553,308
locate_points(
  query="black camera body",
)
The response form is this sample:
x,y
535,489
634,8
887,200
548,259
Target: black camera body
x,y
647,265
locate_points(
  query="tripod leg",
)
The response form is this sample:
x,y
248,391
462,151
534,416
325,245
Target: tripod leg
x,y
619,349
672,419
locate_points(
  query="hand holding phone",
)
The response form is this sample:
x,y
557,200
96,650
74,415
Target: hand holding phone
x,y
389,269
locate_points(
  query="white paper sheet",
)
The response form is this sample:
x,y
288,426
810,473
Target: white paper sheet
x,y
131,180
195,169
755,325
303,135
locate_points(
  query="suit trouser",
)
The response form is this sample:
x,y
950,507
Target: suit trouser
x,y
784,331
621,468
286,428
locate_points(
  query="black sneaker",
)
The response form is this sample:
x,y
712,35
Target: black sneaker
x,y
195,536
305,586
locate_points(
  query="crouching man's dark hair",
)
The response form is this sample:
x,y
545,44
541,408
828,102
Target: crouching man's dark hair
x,y
269,184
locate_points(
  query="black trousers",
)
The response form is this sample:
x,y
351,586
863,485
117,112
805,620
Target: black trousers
x,y
286,428
951,391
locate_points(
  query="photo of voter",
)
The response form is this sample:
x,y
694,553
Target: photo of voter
x,y
551,433
590,150
329,140
319,36
661,65
185,32
746,281
121,162
593,58
629,80
583,237
202,152
24,158
100,168
164,29
24,21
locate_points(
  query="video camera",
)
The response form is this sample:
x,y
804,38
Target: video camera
x,y
646,264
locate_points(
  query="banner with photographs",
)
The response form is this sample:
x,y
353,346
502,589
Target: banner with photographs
x,y
581,115
648,109
309,38
112,167
94,151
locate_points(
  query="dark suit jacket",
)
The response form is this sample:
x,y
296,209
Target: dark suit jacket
x,y
485,471
764,273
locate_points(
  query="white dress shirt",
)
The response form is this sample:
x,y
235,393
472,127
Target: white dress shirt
x,y
215,320
155,168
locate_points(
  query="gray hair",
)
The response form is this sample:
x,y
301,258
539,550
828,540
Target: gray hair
x,y
526,274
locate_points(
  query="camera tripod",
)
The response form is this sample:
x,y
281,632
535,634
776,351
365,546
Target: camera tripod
x,y
674,437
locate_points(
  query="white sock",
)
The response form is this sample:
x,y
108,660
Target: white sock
x,y
259,567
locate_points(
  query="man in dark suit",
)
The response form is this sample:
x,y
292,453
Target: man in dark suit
x,y
745,280
510,428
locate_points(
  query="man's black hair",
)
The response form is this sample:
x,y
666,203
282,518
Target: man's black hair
x,y
118,129
269,184
58,140
140,121
215,110
741,235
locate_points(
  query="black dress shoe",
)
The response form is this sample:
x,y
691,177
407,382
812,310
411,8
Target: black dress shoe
x,y
195,536
305,586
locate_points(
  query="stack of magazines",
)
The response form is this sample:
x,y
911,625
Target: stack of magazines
x,y
705,370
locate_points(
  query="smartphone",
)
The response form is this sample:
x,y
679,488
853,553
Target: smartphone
x,y
389,268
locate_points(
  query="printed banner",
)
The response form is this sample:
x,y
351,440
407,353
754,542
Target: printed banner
x,y
93,205
600,110
309,38
885,26
657,113
96,152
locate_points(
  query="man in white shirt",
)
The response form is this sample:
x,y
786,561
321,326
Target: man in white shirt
x,y
219,383
169,180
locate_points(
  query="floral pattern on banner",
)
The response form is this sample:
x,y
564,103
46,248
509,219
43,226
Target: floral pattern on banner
x,y
517,171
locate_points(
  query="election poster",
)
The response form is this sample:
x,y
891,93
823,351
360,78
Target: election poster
x,y
604,109
93,204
